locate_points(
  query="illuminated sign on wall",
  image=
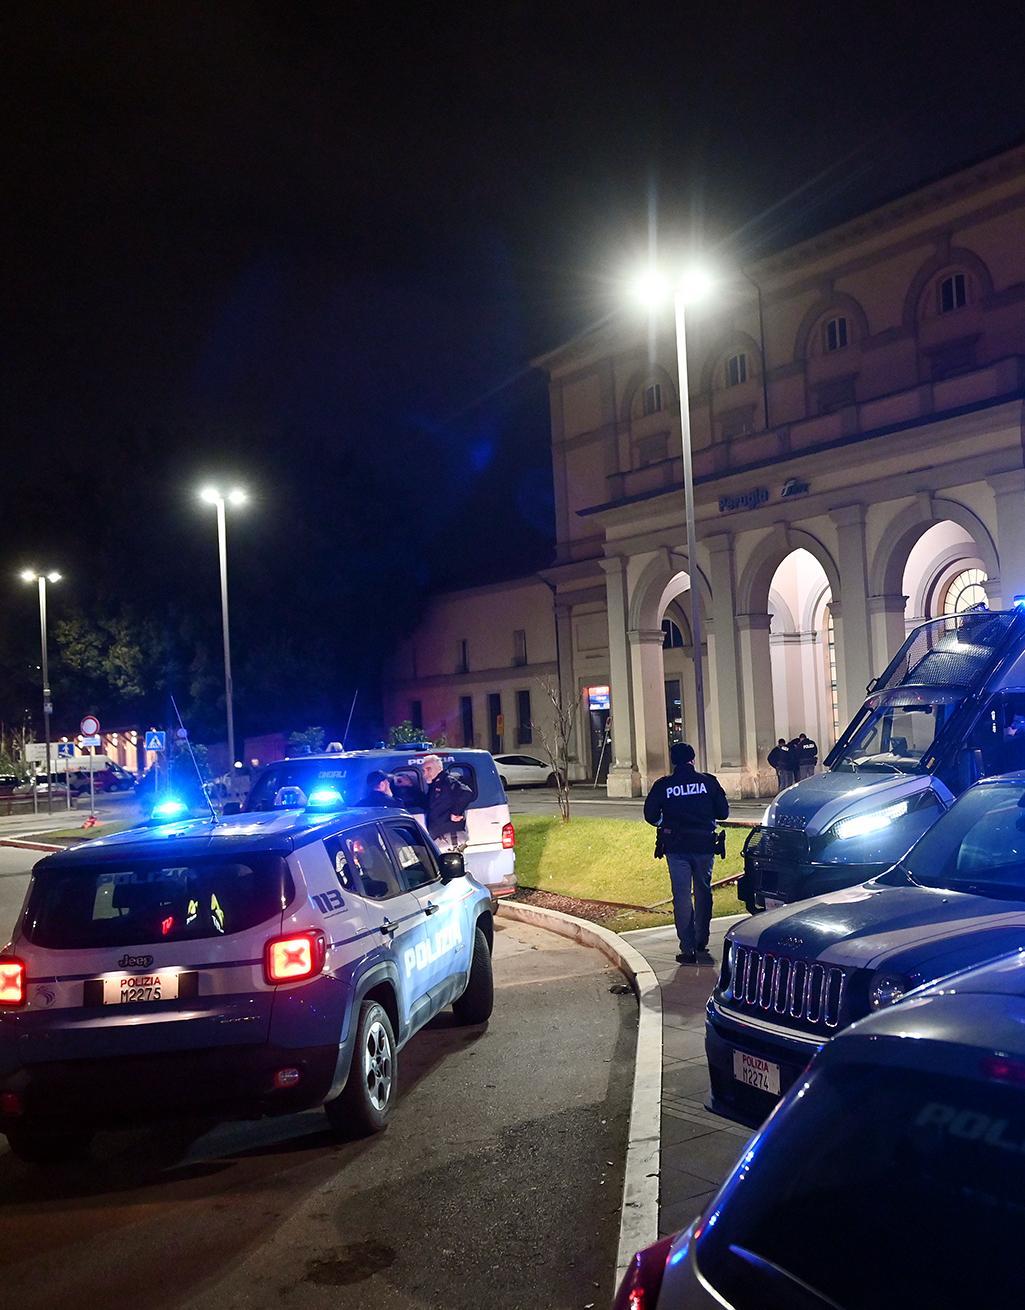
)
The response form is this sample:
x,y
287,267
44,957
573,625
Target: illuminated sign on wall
x,y
598,698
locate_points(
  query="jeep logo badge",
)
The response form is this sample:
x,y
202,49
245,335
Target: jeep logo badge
x,y
135,961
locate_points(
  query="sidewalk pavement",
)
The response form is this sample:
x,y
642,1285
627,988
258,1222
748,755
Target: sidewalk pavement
x,y
698,1148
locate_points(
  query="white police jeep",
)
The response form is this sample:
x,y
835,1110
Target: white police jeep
x,y
262,964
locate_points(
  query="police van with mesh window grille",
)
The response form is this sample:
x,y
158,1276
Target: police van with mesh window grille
x,y
255,965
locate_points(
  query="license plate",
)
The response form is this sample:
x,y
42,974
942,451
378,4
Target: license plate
x,y
756,1072
127,989
772,902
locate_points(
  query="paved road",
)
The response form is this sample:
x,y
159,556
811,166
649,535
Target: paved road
x,y
498,1181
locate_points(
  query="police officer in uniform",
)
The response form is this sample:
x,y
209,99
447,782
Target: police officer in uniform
x,y
684,806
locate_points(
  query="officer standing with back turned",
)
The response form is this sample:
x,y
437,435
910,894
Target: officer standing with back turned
x,y
684,806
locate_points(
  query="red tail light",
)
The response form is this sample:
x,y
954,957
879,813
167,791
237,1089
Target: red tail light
x,y
508,837
12,981
642,1281
290,959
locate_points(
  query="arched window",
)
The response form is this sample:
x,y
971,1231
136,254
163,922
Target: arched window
x,y
951,293
672,637
835,334
651,399
736,369
964,590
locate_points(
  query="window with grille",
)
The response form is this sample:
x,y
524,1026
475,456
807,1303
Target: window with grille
x,y
416,713
672,637
953,293
836,334
652,400
834,689
736,370
964,591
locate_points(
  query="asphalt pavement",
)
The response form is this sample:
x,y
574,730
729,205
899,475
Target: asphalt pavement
x,y
497,1183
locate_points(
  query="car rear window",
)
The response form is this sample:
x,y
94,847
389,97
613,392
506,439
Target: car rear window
x,y
154,901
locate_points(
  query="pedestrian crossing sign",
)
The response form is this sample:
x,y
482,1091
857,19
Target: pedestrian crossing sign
x,y
156,741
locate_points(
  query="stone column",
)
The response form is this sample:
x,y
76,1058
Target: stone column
x,y
727,708
756,689
1009,490
624,779
855,652
886,614
649,696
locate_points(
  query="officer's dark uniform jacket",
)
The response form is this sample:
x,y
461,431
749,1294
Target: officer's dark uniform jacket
x,y
445,796
688,804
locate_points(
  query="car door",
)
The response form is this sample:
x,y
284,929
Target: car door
x,y
436,960
393,916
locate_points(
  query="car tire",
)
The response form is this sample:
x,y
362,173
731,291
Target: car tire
x,y
364,1105
48,1146
504,782
477,1002
551,781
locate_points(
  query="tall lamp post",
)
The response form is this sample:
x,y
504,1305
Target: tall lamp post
x,y
235,497
30,575
653,289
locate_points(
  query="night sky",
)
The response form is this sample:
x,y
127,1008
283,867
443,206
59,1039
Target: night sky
x,y
317,246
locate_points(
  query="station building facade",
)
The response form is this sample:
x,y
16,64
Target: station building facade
x,y
858,417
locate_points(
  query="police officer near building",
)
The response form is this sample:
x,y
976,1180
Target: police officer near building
x,y
684,807
806,755
379,793
443,801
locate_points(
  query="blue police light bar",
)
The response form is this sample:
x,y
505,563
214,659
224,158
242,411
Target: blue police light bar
x,y
171,808
1019,602
325,798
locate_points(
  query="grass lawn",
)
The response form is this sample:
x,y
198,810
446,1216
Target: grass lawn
x,y
86,834
610,860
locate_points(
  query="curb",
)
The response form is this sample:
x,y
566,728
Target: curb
x,y
29,845
638,1223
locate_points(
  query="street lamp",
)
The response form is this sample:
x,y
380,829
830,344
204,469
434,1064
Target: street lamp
x,y
653,289
235,497
30,575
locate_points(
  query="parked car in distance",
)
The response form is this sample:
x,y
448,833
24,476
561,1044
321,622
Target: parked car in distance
x,y
893,1173
524,771
106,777
794,977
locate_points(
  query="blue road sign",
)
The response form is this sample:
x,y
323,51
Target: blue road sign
x,y
156,741
65,750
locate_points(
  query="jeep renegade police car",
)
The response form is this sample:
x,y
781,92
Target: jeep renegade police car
x,y
263,964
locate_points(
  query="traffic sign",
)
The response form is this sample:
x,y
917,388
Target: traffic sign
x,y
65,750
89,726
89,741
182,734
156,741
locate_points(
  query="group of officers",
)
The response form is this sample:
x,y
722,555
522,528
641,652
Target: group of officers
x,y
443,799
793,760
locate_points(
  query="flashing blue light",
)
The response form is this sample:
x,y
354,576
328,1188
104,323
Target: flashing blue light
x,y
325,798
1019,602
171,808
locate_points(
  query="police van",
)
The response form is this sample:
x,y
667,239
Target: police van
x,y
793,978
256,965
488,840
893,1174
948,710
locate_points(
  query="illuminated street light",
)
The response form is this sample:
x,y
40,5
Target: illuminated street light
x,y
235,497
653,289
30,575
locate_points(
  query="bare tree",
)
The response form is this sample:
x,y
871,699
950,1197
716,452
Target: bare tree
x,y
555,734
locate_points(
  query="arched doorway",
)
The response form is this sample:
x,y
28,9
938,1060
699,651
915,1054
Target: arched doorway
x,y
802,651
945,574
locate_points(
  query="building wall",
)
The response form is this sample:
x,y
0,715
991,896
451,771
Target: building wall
x,y
849,484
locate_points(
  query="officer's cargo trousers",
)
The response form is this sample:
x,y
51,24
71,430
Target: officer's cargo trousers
x,y
691,879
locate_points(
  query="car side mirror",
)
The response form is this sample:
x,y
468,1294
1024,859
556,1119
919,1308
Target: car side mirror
x,y
452,866
231,807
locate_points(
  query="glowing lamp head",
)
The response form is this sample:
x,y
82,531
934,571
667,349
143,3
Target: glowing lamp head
x,y
695,284
170,808
650,289
237,496
27,575
53,576
325,798
210,495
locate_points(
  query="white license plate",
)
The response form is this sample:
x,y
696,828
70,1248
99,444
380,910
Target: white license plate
x,y
755,1072
127,989
772,902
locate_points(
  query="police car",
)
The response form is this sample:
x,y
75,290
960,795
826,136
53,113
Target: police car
x,y
893,1174
257,965
488,839
794,977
